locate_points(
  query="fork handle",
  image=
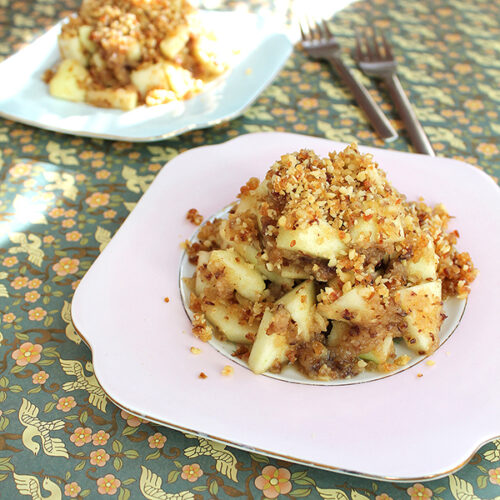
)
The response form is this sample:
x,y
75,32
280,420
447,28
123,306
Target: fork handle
x,y
372,110
414,128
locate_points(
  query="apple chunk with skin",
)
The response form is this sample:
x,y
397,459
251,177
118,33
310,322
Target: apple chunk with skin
x,y
230,319
238,272
269,349
422,305
317,240
357,306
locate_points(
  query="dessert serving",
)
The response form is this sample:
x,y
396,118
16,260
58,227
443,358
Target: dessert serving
x,y
324,265
124,53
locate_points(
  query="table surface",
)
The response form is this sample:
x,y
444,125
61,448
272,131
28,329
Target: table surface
x,y
449,52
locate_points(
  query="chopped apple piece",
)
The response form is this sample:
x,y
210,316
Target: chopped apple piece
x,y
121,98
179,79
150,77
337,331
201,283
422,305
70,81
358,305
300,304
318,240
424,267
369,231
173,44
230,320
267,349
380,354
71,48
84,33
240,274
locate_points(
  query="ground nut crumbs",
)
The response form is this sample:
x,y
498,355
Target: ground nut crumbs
x,y
166,299
430,362
194,216
201,328
420,375
195,350
227,371
402,360
202,375
324,265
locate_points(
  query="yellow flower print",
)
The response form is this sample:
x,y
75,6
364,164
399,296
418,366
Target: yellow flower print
x,y
273,482
81,436
19,282
32,296
475,129
109,214
67,223
66,266
462,68
48,239
56,212
10,261
27,353
157,440
75,284
474,104
40,378
100,438
311,67
80,177
37,314
154,167
383,496
8,317
308,103
73,236
66,404
98,200
419,492
20,170
70,213
99,457
102,174
191,472
487,148
108,485
72,489
34,283
300,127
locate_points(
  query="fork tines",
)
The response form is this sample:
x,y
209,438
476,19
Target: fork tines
x,y
314,30
371,46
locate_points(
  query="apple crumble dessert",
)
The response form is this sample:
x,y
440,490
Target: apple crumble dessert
x,y
123,53
323,265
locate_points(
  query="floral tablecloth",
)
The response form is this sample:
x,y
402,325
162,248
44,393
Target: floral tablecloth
x,y
63,197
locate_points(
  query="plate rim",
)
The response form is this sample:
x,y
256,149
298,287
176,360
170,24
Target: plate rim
x,y
348,471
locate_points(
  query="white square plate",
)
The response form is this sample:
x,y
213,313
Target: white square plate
x,y
401,427
25,97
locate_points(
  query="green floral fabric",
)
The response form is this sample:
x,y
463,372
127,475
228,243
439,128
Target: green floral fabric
x,y
63,197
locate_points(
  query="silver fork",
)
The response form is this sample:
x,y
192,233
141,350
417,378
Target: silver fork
x,y
376,59
319,43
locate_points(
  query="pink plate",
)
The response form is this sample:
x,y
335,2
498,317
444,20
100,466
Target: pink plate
x,y
401,427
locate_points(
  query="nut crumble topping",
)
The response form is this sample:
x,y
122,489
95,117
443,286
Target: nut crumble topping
x,y
323,265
